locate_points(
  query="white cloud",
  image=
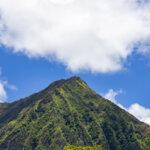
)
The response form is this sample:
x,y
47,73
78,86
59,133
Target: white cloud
x,y
95,35
3,95
111,95
140,112
4,84
9,86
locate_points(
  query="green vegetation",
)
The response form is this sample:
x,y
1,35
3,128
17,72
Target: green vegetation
x,y
68,112
72,147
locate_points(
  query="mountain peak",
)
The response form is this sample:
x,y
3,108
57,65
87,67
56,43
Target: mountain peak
x,y
68,112
74,78
58,83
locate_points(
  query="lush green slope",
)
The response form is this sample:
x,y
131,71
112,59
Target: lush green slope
x,y
68,112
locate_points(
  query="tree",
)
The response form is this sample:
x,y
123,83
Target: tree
x,y
72,147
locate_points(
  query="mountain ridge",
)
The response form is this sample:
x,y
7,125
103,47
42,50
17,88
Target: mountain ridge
x,y
69,112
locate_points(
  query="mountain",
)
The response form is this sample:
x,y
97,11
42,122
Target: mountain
x,y
68,112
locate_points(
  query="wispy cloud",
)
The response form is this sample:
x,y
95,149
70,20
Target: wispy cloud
x,y
3,95
95,35
9,86
4,84
140,112
111,95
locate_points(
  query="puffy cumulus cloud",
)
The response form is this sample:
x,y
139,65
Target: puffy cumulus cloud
x,y
95,35
140,112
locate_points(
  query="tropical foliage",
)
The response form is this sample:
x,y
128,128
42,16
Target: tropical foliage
x,y
72,147
68,112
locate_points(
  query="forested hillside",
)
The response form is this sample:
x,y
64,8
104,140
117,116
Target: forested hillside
x,y
68,112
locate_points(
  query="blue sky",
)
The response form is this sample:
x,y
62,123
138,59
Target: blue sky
x,y
106,43
32,75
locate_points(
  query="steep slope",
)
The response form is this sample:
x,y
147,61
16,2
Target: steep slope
x,y
69,112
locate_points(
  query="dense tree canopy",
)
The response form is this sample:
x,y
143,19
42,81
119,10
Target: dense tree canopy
x,y
68,112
